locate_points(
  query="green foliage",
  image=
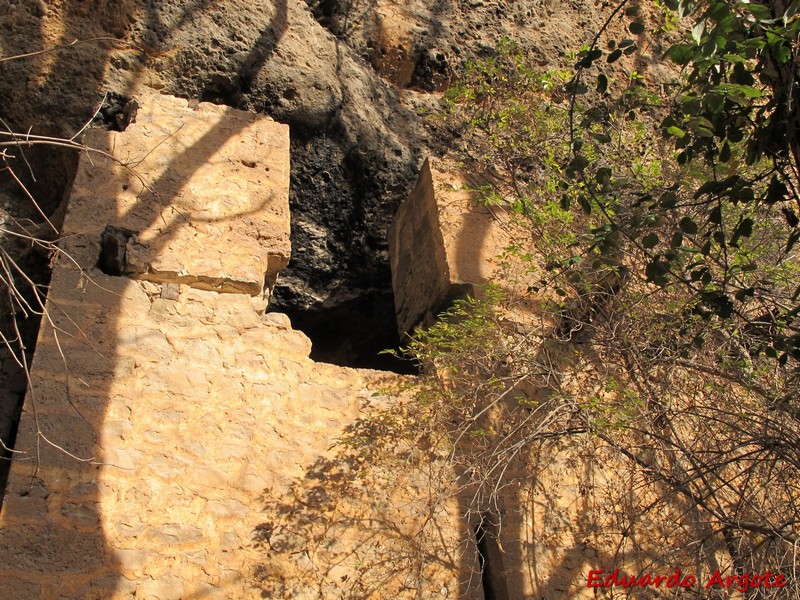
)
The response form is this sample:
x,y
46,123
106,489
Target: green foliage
x,y
499,100
718,218
455,346
664,225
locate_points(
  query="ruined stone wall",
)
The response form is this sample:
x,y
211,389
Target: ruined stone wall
x,y
446,243
420,274
172,429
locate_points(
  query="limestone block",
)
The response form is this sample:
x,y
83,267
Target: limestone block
x,y
58,550
204,192
444,244
420,273
80,515
169,587
132,560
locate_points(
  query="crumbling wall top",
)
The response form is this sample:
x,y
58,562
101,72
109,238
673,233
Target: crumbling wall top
x,y
202,191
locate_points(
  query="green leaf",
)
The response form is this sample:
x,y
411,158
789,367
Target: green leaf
x,y
735,90
603,175
676,131
687,225
706,188
703,132
680,54
579,162
776,192
636,27
697,274
668,199
734,58
585,204
725,152
782,54
656,272
650,241
759,11
698,30
714,102
602,83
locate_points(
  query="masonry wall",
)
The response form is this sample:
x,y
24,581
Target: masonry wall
x,y
446,243
177,441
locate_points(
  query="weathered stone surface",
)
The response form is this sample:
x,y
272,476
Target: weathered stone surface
x,y
21,588
420,273
444,244
80,515
169,587
132,561
206,202
188,421
57,551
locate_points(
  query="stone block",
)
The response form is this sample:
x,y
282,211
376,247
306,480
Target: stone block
x,y
51,549
80,515
444,244
227,508
176,533
132,560
207,202
420,273
168,587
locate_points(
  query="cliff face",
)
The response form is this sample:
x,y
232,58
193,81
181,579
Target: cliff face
x,y
348,77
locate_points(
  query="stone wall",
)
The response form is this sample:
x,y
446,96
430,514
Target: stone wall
x,y
445,243
177,441
172,427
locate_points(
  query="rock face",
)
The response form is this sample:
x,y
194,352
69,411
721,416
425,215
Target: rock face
x,y
328,69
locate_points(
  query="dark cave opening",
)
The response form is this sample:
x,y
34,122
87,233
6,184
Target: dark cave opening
x,y
337,288
352,333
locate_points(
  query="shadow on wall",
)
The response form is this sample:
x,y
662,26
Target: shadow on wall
x,y
360,524
53,535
